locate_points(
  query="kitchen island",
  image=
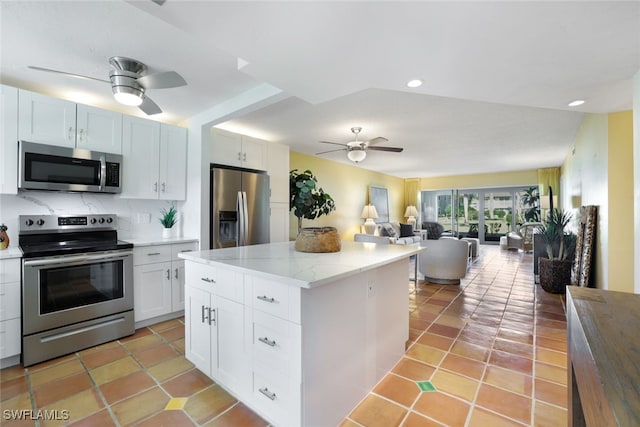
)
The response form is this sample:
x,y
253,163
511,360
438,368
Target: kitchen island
x,y
299,337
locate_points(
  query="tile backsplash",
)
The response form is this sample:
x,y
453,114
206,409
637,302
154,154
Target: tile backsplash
x,y
136,218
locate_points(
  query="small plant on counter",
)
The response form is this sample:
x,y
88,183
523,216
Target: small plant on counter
x,y
307,200
169,217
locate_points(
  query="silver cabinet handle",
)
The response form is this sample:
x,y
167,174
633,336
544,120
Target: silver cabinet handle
x,y
71,135
212,316
187,250
239,155
155,187
163,187
82,136
153,253
266,298
267,393
203,315
168,274
176,273
267,341
206,279
244,157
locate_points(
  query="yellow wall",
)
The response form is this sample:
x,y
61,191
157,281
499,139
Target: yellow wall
x,y
621,218
486,180
349,187
599,171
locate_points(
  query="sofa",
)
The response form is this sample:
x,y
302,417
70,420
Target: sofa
x,y
444,261
390,232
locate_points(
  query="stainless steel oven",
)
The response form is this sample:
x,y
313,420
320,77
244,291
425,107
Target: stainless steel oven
x,y
76,284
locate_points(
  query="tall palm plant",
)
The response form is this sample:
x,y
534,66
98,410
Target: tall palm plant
x,y
531,198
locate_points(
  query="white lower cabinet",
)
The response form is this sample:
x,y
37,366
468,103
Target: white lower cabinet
x,y
217,332
158,279
9,307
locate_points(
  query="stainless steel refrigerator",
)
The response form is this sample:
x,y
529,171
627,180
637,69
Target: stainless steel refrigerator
x,y
239,207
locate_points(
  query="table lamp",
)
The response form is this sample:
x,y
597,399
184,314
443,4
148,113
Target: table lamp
x,y
369,213
411,213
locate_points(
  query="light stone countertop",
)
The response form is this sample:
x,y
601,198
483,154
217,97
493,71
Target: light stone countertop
x,y
154,240
280,261
11,252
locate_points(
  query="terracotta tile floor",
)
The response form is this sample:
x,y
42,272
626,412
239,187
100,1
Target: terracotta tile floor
x,y
490,352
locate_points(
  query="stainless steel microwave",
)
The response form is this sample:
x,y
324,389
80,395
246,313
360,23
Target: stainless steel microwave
x,y
49,167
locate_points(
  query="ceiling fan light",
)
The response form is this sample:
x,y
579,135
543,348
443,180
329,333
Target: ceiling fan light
x,y
356,156
126,95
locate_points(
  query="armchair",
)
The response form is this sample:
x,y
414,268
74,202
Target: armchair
x,y
444,261
522,238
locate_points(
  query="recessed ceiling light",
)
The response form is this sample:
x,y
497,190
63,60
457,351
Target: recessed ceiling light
x,y
576,103
414,83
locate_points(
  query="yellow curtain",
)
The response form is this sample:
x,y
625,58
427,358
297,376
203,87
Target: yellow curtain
x,y
549,177
411,188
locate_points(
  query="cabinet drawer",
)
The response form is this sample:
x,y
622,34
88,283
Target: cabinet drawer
x,y
9,300
230,285
275,298
278,397
200,275
276,344
182,247
151,254
10,270
9,338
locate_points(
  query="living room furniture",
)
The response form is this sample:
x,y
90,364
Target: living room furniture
x,y
369,213
474,249
445,260
522,239
603,346
434,229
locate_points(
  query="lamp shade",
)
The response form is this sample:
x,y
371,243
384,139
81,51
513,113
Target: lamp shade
x,y
411,211
369,212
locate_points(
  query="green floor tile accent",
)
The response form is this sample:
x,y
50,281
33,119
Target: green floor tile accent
x,y
426,386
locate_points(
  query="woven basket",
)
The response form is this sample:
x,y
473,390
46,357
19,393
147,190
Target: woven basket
x,y
555,275
318,240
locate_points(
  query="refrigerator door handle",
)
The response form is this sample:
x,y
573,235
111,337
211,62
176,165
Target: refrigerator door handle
x,y
245,219
240,221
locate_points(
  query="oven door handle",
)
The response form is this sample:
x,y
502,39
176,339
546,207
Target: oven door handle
x,y
77,259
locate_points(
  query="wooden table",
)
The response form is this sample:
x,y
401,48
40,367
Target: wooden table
x,y
603,330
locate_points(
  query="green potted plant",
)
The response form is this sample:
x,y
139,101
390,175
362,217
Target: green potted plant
x,y
168,218
560,245
309,201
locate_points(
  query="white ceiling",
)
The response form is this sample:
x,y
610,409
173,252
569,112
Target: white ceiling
x,y
497,75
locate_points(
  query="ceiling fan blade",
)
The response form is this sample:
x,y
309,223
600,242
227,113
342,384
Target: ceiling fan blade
x,y
77,76
161,80
377,140
334,143
391,149
331,151
149,107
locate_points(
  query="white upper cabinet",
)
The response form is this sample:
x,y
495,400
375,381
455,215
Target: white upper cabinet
x,y
55,121
233,149
9,140
278,169
155,160
98,129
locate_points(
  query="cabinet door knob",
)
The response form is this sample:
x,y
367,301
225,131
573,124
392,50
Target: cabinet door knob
x,y
212,316
168,274
71,134
164,186
267,393
239,155
204,310
176,273
267,341
155,187
266,298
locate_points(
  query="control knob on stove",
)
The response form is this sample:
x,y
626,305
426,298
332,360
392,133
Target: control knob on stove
x,y
93,220
29,222
109,220
101,221
40,221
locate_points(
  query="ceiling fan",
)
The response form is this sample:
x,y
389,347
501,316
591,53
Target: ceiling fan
x,y
129,82
357,150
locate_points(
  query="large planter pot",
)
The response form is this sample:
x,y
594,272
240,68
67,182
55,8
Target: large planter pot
x,y
555,275
318,240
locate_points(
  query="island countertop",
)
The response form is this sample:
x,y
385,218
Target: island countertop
x,y
280,261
